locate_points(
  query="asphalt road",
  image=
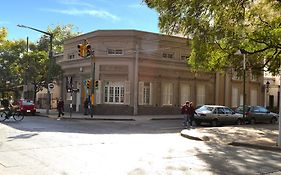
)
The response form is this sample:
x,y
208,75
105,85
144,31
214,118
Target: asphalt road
x,y
45,146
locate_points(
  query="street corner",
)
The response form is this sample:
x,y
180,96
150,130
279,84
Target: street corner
x,y
256,146
195,134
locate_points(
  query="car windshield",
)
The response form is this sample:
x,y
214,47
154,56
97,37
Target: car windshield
x,y
25,102
205,109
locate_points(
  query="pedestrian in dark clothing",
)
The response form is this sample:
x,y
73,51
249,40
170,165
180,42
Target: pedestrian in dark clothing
x,y
192,112
86,106
185,112
60,107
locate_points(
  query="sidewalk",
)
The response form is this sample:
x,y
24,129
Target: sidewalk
x,y
260,136
54,114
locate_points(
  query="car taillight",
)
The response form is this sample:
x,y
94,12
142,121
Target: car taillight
x,y
247,113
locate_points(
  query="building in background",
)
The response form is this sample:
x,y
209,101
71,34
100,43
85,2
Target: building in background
x,y
146,73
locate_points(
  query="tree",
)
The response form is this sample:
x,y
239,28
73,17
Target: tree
x,y
218,28
60,34
10,52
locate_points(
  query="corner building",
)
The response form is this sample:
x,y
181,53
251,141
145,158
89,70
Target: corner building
x,y
142,73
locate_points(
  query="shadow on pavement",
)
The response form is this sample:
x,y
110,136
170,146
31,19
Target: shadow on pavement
x,y
44,124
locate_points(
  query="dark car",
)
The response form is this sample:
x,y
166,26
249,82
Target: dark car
x,y
254,114
216,115
26,107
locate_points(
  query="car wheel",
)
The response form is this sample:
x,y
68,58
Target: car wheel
x,y
273,120
252,121
239,122
197,123
215,122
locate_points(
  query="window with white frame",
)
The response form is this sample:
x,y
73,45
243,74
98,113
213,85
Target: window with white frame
x,y
234,97
71,56
184,93
111,51
201,95
184,57
114,93
146,93
168,55
167,93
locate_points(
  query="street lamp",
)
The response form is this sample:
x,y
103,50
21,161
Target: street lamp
x,y
266,92
242,52
50,58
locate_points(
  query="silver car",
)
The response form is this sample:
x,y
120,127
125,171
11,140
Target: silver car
x,y
217,115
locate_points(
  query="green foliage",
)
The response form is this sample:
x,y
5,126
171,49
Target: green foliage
x,y
218,28
60,33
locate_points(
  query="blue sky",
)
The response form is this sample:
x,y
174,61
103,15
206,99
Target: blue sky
x,y
86,15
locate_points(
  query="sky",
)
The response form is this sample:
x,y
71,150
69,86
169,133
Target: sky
x,y
85,15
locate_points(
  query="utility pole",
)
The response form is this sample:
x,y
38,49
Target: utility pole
x,y
50,61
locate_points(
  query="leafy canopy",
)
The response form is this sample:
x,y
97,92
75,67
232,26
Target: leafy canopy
x,y
219,28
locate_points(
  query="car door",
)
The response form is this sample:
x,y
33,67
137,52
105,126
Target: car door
x,y
265,115
230,118
257,114
220,115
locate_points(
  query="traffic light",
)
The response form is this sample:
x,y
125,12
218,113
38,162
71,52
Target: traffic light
x,y
88,50
88,84
96,84
81,50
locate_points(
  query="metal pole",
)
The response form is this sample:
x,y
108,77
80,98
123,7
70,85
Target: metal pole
x,y
136,81
279,135
244,85
48,75
93,63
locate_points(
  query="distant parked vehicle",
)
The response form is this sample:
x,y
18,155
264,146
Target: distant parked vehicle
x,y
255,114
26,107
216,115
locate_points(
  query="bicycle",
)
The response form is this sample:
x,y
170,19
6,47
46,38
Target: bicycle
x,y
7,114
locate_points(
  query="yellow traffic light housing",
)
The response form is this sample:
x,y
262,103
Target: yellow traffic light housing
x,y
81,50
88,50
88,84
96,84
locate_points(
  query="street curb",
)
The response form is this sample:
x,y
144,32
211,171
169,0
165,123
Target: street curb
x,y
104,119
255,146
166,119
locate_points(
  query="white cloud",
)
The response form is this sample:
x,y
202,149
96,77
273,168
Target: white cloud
x,y
91,12
75,2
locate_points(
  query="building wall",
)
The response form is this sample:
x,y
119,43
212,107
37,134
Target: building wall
x,y
149,77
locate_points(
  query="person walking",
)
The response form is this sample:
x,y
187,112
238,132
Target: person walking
x,y
185,111
60,107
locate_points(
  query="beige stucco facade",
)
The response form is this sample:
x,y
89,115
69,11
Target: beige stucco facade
x,y
146,73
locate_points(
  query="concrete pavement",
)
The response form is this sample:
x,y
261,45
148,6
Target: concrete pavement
x,y
260,136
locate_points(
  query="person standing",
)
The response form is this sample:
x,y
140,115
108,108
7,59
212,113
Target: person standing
x,y
86,106
60,107
192,112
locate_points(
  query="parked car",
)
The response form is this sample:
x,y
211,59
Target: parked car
x,y
27,107
216,115
254,114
